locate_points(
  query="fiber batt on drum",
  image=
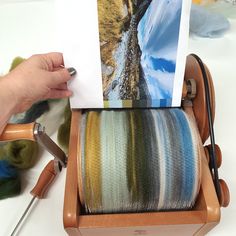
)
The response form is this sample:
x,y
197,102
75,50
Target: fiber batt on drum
x,y
139,161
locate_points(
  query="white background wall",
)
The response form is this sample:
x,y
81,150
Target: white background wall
x,y
26,28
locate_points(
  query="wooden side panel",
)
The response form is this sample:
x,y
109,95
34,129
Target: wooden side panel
x,y
71,206
163,230
209,197
142,219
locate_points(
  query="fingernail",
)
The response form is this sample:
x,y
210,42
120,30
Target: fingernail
x,y
72,71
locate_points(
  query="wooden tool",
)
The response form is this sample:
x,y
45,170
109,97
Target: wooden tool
x,y
45,179
201,219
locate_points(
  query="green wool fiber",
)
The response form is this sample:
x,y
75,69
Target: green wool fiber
x,y
16,62
22,154
9,187
63,134
2,153
19,154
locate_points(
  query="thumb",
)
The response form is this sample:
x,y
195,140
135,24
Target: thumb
x,y
61,76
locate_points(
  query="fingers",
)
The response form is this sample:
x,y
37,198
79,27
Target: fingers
x,y
54,58
62,86
58,93
59,77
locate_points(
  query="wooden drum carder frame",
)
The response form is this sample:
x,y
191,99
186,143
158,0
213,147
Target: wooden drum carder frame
x,y
198,221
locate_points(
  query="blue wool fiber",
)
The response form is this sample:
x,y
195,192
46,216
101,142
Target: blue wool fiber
x,y
188,162
7,170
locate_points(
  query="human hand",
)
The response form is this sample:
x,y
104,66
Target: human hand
x,y
40,77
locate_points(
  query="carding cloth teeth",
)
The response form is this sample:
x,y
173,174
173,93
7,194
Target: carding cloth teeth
x,y
138,161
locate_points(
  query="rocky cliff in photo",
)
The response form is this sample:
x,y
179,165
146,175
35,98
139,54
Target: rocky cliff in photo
x,y
120,52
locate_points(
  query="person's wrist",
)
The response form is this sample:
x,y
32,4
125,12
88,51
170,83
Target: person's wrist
x,y
8,103
10,94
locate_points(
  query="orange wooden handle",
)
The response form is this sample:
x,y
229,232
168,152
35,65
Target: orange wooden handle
x,y
45,179
18,132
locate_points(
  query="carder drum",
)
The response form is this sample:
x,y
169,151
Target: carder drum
x,y
146,172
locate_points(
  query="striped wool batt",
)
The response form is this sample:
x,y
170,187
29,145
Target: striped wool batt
x,y
139,161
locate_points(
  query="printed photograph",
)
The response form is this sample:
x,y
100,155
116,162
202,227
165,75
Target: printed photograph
x,y
138,47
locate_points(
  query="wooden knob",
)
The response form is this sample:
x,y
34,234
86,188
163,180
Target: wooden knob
x,y
218,154
225,195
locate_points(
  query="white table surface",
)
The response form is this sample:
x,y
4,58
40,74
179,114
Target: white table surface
x,y
21,35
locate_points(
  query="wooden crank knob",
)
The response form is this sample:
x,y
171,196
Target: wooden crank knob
x,y
218,154
225,195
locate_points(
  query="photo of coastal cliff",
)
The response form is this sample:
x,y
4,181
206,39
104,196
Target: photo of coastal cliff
x,y
138,48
